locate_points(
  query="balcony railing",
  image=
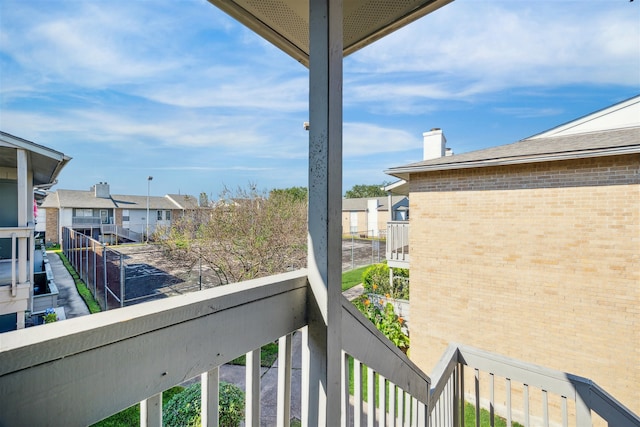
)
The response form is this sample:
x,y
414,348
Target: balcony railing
x,y
83,370
86,221
17,271
398,243
120,231
580,401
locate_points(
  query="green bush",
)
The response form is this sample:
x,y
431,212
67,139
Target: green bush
x,y
375,279
385,319
184,408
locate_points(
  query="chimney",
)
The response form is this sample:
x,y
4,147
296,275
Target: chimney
x,y
101,190
434,144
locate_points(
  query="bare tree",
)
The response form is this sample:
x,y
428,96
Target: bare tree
x,y
246,234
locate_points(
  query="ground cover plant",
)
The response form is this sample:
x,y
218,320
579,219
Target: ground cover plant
x,y
375,279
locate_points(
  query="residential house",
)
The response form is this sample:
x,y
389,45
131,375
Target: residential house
x,y
98,366
532,250
24,167
104,216
368,217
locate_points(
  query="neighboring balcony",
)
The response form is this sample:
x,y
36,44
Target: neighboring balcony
x,y
86,222
16,272
398,244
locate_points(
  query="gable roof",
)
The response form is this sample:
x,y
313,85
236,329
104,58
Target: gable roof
x,y
612,131
183,201
87,199
45,163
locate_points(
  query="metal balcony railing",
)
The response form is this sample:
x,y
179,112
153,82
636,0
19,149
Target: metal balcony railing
x,y
86,221
120,231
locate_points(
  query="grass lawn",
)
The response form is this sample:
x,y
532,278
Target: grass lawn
x,y
131,415
84,292
352,278
268,355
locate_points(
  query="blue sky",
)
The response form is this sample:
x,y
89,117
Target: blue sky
x,y
180,91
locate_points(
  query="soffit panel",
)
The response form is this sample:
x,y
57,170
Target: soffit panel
x,y
285,23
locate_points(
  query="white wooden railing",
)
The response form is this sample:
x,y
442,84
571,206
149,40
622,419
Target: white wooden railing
x,y
82,370
397,245
121,231
580,401
20,265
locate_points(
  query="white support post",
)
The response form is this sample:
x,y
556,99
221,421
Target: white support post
x,y
252,408
357,392
283,410
210,397
323,355
151,411
23,203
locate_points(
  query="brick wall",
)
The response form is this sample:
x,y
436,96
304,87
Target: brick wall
x,y
539,262
52,227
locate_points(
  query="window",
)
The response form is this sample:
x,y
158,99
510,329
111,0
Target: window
x,y
83,212
159,217
167,215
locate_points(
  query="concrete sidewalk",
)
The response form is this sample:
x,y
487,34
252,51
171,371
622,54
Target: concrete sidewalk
x,y
68,296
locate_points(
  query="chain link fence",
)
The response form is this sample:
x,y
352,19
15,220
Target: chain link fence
x,y
123,275
362,248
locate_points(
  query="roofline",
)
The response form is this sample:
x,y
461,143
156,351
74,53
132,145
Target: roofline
x,y
403,172
586,118
36,148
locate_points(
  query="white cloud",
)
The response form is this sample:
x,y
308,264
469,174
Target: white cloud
x,y
475,47
368,139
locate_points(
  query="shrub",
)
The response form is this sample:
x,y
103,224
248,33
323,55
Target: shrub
x,y
386,320
184,408
375,279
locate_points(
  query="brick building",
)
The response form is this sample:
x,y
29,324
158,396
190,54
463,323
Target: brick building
x,y
532,250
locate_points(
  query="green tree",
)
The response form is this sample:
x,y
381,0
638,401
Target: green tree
x,y
363,190
245,235
296,193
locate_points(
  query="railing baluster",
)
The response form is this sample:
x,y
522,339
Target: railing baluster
x,y
414,410
151,411
283,416
492,414
508,390
545,408
345,390
525,398
407,409
382,401
210,397
252,409
357,392
461,393
392,404
565,412
371,400
477,395
400,414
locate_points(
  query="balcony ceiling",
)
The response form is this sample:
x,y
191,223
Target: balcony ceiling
x,y
285,23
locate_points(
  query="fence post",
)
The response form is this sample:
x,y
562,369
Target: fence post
x,y
122,278
95,271
104,268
